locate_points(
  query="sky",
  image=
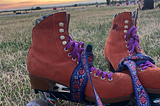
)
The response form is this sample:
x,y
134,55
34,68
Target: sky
x,y
25,4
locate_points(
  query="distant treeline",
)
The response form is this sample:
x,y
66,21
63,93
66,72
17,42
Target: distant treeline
x,y
14,11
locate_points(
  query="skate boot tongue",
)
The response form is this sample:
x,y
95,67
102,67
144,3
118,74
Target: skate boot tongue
x,y
68,18
39,19
134,17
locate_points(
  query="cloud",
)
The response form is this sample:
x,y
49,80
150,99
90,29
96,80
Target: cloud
x,y
30,3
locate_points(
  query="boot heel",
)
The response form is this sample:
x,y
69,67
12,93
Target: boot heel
x,y
109,65
39,83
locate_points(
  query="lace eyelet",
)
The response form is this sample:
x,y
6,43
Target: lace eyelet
x,y
126,41
142,69
65,49
126,21
74,59
90,71
139,67
128,50
62,37
152,67
77,62
127,46
64,42
130,54
61,24
69,55
125,31
102,78
126,26
61,30
110,79
125,36
95,75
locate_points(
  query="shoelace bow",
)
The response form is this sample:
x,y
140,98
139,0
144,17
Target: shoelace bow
x,y
133,42
78,48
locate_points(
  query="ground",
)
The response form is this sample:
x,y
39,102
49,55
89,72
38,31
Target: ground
x,y
90,25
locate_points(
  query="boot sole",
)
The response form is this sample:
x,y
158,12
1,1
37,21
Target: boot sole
x,y
47,85
149,90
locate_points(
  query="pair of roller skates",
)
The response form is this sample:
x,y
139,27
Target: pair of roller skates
x,y
64,68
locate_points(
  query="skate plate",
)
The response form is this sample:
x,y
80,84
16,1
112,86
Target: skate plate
x,y
62,92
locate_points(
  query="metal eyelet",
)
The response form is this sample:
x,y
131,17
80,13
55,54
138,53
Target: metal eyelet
x,y
110,79
61,30
126,26
126,21
77,62
61,24
62,37
139,67
125,31
65,49
102,78
74,59
69,55
128,51
64,42
142,70
127,46
130,54
126,41
152,67
90,71
95,75
125,36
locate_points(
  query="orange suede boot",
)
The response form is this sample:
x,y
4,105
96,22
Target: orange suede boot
x,y
53,58
123,42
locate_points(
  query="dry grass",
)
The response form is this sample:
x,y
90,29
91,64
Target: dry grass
x,y
90,25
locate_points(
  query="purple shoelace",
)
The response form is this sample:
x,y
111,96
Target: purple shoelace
x,y
146,65
134,41
103,73
78,48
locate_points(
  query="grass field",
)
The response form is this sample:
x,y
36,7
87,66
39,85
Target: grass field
x,y
90,25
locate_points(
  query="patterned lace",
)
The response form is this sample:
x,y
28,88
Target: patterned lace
x,y
134,41
78,48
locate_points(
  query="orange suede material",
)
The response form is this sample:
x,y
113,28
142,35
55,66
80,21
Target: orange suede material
x,y
115,50
46,56
150,77
48,59
115,47
108,89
